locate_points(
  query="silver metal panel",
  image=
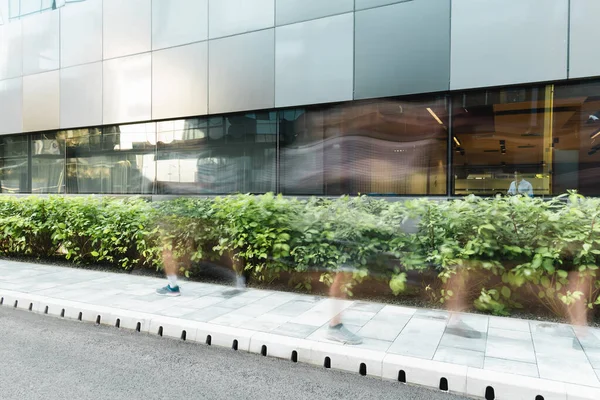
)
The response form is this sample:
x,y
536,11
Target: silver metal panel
x,y
583,60
403,48
11,105
180,81
41,101
362,4
127,27
314,61
290,11
81,33
177,22
11,53
501,42
230,17
127,89
242,72
81,96
41,45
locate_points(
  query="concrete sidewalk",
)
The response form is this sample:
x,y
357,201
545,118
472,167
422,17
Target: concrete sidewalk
x,y
501,358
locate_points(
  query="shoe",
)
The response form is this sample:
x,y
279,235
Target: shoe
x,y
169,291
340,333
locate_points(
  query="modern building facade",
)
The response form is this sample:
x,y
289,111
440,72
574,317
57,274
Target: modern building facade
x,y
300,97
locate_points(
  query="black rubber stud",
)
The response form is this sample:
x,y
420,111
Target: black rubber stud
x,y
30,306
118,323
234,345
16,303
402,376
489,393
46,310
62,313
80,316
539,397
183,335
98,319
160,331
362,369
208,340
138,327
263,351
327,362
1,300
444,384
294,356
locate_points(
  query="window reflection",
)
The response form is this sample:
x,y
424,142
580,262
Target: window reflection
x,y
14,164
498,133
233,154
111,160
576,140
47,163
389,147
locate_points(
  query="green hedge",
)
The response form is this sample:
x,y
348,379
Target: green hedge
x,y
515,250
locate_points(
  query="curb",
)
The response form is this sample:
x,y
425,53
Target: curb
x,y
452,378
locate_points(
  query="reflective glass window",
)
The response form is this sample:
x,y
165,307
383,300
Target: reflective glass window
x,y
576,138
116,159
218,155
385,147
47,163
14,164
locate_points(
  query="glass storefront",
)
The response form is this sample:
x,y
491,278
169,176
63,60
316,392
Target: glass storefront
x,y
539,140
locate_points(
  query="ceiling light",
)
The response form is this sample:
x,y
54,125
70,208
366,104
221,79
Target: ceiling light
x,y
456,140
435,116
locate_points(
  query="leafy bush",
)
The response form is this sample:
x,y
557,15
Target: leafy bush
x,y
498,253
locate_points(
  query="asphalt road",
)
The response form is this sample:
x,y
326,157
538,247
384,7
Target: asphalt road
x,y
43,357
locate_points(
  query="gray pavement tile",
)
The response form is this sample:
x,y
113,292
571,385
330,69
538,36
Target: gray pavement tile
x,y
266,322
438,315
203,302
382,330
232,319
419,338
295,330
550,328
176,312
355,317
207,314
511,367
320,333
469,343
593,355
567,370
366,306
293,308
597,373
471,322
549,346
454,355
372,344
510,334
510,349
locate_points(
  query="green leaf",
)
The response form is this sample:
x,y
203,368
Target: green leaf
x,y
94,254
562,274
506,292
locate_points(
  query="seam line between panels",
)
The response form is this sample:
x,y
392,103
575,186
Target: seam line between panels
x,y
354,53
318,18
569,40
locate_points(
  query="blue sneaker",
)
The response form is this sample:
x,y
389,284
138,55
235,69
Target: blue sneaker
x,y
169,291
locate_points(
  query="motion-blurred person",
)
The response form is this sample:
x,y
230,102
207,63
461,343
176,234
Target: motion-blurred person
x,y
457,303
337,331
170,264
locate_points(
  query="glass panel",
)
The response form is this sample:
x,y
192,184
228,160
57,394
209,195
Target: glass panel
x,y
576,140
47,163
113,160
14,164
391,147
499,134
217,155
